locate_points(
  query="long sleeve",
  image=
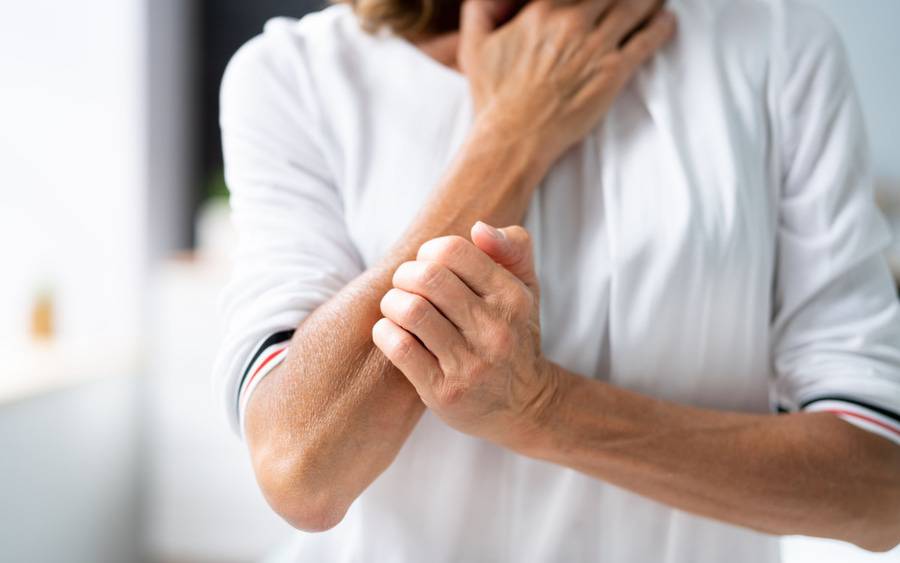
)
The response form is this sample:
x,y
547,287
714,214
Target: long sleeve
x,y
837,318
294,251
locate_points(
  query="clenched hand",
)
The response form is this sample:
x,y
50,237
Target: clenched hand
x,y
462,324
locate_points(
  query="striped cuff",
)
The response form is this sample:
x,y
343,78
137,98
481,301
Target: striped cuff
x,y
869,417
268,355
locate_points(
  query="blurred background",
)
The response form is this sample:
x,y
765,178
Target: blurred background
x,y
114,239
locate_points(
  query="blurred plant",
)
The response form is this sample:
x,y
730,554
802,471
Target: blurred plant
x,y
42,314
216,188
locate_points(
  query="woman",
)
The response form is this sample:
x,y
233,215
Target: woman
x,y
421,386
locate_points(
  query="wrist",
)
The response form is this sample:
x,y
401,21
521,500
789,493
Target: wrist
x,y
512,145
492,179
543,415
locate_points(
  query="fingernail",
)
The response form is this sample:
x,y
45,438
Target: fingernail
x,y
493,231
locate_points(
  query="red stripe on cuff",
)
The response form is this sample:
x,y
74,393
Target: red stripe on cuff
x,y
268,359
863,417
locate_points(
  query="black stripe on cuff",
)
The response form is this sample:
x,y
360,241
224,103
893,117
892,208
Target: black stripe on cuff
x,y
276,338
874,408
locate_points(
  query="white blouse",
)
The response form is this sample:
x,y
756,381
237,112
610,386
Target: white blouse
x,y
713,242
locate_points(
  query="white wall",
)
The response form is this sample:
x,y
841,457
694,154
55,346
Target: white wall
x,y
870,31
73,156
72,147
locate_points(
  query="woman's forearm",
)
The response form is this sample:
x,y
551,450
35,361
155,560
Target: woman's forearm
x,y
808,473
474,358
332,417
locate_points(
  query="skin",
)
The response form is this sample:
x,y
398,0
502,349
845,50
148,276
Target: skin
x,y
331,418
325,423
476,363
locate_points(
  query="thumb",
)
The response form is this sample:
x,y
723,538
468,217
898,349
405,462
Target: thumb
x,y
509,247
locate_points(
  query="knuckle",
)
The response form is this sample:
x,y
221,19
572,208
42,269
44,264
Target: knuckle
x,y
414,310
522,239
572,20
429,275
632,9
499,344
521,300
400,347
520,233
404,271
455,243
452,393
482,315
443,249
641,43
515,304
614,63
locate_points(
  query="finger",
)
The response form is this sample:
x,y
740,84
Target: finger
x,y
622,20
468,262
649,40
510,247
475,23
592,10
436,283
417,316
408,355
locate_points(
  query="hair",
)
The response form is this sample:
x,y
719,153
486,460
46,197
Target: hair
x,y
407,17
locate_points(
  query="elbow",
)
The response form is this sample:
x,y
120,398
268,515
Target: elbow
x,y
879,539
874,517
312,515
878,545
303,501
878,526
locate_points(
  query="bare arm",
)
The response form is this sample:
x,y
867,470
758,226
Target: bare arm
x,y
332,417
334,414
808,473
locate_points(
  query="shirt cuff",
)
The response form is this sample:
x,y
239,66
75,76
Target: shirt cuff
x,y
875,419
269,354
